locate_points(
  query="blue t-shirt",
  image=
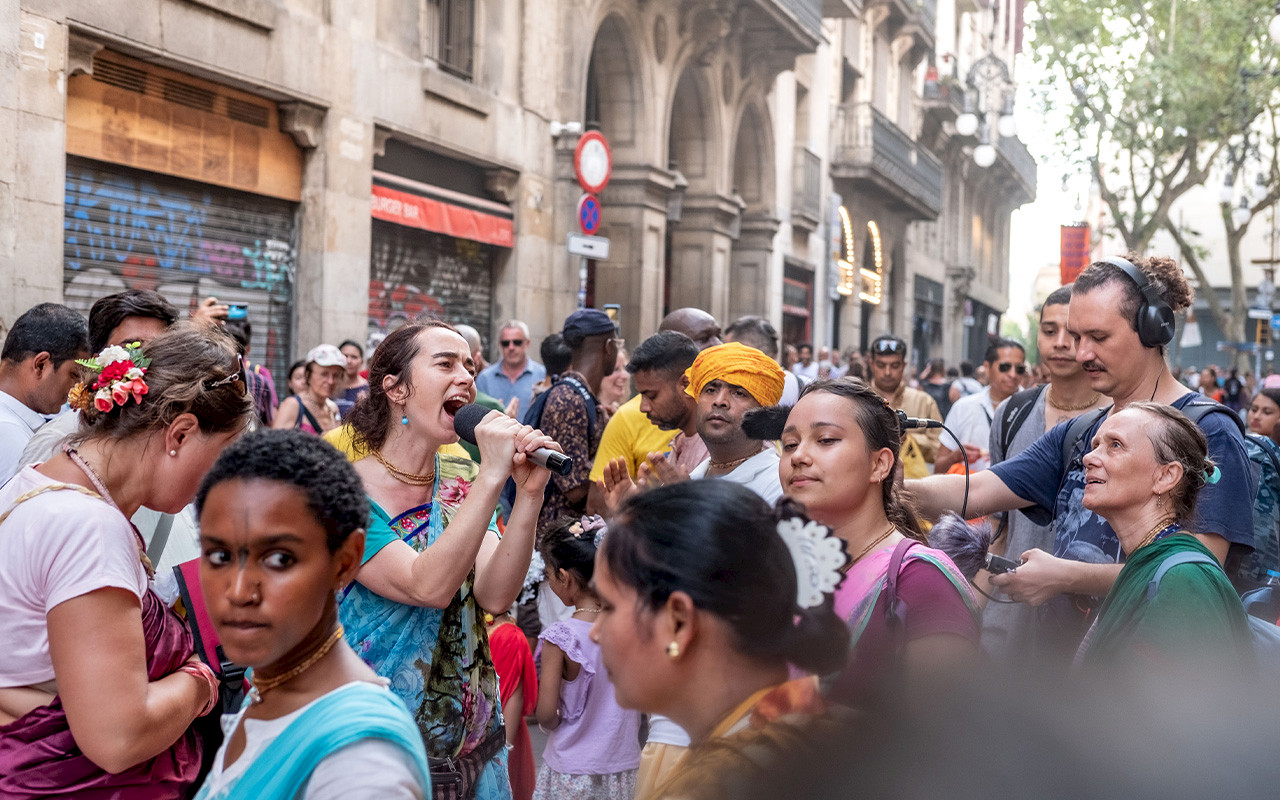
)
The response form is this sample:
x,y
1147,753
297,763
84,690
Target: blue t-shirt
x,y
1035,474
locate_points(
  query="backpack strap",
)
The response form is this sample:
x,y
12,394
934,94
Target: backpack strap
x,y
1016,410
1075,430
1175,560
895,610
52,487
1196,410
304,411
587,398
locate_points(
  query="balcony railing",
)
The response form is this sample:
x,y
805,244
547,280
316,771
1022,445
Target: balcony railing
x,y
929,15
1021,163
873,151
806,187
807,12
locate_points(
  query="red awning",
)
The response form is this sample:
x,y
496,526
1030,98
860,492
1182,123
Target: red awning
x,y
438,215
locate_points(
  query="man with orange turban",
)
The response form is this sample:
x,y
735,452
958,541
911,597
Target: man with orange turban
x,y
726,382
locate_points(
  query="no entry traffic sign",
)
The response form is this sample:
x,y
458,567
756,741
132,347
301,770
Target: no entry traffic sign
x,y
592,162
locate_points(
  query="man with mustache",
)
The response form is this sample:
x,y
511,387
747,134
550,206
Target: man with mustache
x,y
727,381
1121,316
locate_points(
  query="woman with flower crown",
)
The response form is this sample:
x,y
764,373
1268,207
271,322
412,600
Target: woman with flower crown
x,y
433,560
840,449
707,595
99,685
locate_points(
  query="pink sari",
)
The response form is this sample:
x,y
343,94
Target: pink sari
x,y
875,647
857,594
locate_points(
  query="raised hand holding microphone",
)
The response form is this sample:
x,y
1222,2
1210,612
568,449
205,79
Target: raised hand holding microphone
x,y
530,447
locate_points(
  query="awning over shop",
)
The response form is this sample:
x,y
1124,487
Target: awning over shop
x,y
439,210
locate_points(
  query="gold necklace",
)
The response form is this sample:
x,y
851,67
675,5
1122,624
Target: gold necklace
x,y
411,478
1087,404
1151,536
595,610
736,463
266,685
870,547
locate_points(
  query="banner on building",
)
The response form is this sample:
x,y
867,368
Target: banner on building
x,y
1075,252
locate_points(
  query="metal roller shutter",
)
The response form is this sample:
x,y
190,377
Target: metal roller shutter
x,y
126,229
413,271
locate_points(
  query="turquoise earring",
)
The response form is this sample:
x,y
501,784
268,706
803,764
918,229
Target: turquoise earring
x,y
404,419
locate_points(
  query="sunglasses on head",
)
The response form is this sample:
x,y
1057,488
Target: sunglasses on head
x,y
888,347
511,342
236,378
1005,366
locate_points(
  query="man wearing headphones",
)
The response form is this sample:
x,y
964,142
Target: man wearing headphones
x,y
1122,316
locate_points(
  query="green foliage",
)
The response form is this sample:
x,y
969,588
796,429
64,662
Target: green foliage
x,y
1154,93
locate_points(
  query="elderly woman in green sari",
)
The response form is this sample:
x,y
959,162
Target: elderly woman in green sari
x,y
1172,603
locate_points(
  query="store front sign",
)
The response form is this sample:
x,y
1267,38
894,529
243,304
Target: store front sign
x,y
441,216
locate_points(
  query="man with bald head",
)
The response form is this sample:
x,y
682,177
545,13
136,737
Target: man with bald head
x,y
695,323
630,435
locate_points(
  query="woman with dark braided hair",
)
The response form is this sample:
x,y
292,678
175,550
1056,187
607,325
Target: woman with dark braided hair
x,y
839,457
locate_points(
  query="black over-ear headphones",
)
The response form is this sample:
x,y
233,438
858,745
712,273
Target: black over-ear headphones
x,y
1154,319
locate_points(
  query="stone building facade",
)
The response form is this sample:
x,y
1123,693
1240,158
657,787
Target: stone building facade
x,y
342,165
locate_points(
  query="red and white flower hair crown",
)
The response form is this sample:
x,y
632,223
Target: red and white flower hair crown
x,y
118,375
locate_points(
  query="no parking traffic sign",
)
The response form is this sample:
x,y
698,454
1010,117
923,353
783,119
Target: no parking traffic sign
x,y
589,213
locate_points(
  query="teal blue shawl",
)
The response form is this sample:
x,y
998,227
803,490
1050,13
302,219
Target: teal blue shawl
x,y
340,718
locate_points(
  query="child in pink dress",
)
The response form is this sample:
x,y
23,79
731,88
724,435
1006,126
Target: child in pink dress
x,y
593,750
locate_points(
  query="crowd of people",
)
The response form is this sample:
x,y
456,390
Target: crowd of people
x,y
756,553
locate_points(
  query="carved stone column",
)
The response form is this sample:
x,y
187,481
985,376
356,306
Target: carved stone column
x,y
635,220
700,254
750,281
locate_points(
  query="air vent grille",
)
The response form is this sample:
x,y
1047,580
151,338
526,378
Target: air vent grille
x,y
156,84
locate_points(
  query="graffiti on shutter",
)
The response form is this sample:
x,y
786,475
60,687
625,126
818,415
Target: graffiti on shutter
x,y
413,271
125,229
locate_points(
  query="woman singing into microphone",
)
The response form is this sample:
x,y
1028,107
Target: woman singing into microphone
x,y
433,560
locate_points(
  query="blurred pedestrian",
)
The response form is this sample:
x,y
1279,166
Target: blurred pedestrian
x,y
313,409
682,636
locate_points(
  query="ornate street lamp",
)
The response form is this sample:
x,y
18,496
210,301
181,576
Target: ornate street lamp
x,y
988,106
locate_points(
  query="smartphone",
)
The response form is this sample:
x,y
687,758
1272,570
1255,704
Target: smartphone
x,y
614,312
238,311
998,565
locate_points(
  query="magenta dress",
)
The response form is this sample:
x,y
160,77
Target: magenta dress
x,y
39,757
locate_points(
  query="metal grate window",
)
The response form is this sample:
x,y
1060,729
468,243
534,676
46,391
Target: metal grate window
x,y
248,113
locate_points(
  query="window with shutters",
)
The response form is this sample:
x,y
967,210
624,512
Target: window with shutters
x,y
448,32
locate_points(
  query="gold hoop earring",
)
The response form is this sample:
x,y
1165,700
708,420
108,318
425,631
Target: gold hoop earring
x,y
673,650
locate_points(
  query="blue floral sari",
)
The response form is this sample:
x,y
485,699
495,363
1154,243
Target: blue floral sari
x,y
437,659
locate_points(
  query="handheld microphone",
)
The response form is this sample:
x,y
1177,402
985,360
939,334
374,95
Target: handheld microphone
x,y
469,416
907,423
